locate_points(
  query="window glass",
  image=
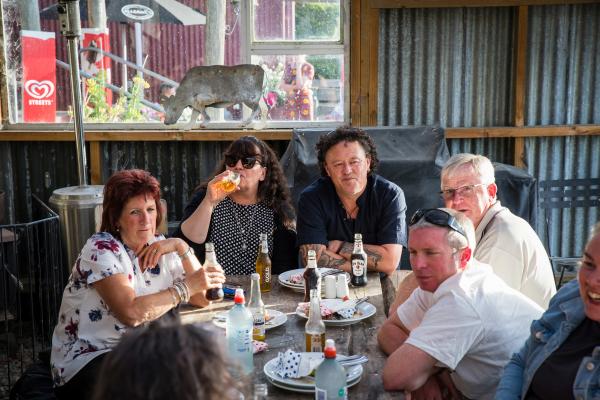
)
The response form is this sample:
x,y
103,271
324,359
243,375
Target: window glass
x,y
283,20
130,65
303,87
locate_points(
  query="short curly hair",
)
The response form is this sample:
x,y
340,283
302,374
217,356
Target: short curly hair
x,y
346,134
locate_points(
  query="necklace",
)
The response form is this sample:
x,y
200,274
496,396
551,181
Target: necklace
x,y
242,229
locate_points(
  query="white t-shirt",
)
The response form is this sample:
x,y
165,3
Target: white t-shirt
x,y
86,328
516,254
471,324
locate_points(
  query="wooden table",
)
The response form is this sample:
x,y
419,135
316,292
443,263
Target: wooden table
x,y
360,338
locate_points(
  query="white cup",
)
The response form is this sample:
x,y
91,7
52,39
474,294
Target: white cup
x,y
342,286
330,287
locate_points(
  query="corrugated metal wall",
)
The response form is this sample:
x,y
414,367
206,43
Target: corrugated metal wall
x,y
455,67
451,67
563,87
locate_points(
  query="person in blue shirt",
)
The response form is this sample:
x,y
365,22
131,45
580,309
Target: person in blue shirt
x,y
350,198
561,358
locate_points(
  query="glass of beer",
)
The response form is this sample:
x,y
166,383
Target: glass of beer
x,y
230,182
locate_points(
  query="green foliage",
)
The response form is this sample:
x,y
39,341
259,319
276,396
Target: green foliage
x,y
273,95
97,108
316,21
325,68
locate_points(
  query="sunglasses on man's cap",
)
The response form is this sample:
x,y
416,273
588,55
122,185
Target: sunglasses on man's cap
x,y
437,217
247,162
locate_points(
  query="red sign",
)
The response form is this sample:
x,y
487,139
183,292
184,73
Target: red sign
x,y
93,62
39,76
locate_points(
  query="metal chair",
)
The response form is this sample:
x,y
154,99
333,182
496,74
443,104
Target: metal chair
x,y
556,196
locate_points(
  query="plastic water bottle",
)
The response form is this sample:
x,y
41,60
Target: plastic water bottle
x,y
239,333
330,377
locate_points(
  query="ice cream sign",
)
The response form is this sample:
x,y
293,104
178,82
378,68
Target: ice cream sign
x,y
39,76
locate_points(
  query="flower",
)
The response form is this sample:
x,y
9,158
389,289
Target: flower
x,y
272,94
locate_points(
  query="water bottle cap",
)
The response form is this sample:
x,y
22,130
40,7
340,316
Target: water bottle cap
x,y
239,296
330,351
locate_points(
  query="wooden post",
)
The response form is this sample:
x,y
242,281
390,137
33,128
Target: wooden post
x,y
215,43
521,70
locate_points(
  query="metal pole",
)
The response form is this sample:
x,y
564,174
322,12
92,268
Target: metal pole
x,y
71,28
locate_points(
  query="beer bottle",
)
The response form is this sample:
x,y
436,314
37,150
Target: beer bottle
x,y
312,276
257,308
263,264
314,332
359,263
213,294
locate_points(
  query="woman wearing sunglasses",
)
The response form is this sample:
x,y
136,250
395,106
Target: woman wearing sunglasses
x,y
261,203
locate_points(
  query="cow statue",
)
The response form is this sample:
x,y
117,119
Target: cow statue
x,y
217,86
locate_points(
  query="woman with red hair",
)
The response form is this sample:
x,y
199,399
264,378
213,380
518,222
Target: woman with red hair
x,y
126,275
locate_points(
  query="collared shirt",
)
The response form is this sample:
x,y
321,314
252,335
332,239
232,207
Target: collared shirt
x,y
515,252
381,215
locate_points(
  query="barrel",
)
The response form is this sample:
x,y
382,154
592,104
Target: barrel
x,y
78,209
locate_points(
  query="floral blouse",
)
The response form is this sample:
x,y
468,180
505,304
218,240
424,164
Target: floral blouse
x,y
86,328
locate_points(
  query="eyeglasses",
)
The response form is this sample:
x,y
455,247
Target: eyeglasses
x,y
463,191
247,162
437,217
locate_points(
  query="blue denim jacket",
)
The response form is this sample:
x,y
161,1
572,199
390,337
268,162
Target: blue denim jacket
x,y
564,314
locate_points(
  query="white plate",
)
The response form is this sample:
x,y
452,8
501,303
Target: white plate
x,y
278,319
302,390
367,309
307,383
284,277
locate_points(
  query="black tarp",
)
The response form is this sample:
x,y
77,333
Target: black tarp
x,y
412,158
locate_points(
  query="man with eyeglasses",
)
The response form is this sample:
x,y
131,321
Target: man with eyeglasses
x,y
350,198
455,333
504,240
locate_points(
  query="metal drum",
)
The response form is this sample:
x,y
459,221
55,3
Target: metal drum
x,y
79,209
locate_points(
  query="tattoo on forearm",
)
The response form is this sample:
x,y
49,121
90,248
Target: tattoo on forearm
x,y
327,261
346,248
373,259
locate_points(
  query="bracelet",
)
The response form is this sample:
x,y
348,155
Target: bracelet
x,y
187,253
183,290
174,296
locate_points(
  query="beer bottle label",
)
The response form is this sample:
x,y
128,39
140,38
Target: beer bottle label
x,y
267,274
259,324
358,267
315,344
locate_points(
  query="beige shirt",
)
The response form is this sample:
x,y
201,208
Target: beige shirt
x,y
516,254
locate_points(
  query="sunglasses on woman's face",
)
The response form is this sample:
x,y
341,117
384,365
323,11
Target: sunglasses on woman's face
x,y
437,217
247,162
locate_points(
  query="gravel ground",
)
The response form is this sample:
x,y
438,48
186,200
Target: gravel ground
x,y
12,366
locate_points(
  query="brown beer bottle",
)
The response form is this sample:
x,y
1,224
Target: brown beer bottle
x,y
263,264
312,276
358,259
214,294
